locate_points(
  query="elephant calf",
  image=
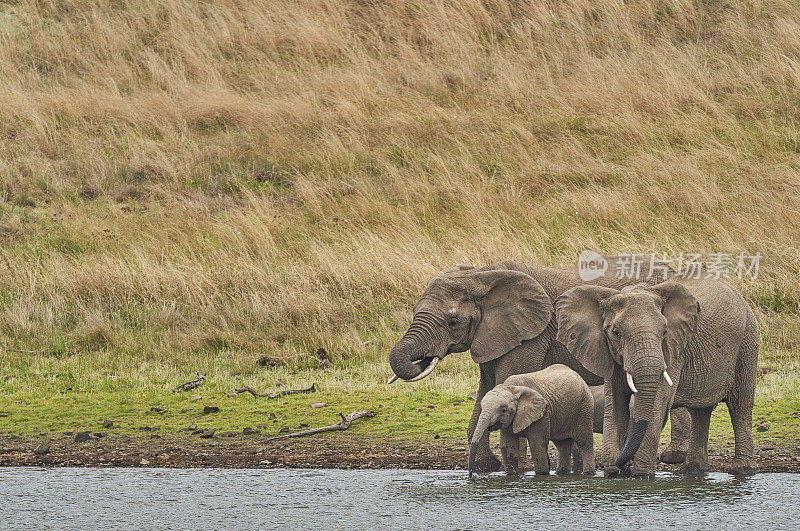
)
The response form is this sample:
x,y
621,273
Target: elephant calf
x,y
553,404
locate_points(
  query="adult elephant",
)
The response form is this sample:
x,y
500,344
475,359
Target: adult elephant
x,y
685,342
503,314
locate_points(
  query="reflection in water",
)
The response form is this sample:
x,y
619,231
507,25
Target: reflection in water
x,y
191,498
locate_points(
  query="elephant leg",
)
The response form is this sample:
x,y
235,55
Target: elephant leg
x,y
509,447
615,422
564,456
681,429
523,453
697,456
584,442
538,438
577,457
740,404
485,460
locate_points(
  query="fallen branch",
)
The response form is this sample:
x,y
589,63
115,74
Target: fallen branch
x,y
341,425
191,384
279,394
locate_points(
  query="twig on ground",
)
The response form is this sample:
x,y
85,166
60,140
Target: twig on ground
x,y
341,425
190,384
279,394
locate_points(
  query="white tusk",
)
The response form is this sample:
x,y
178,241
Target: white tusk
x,y
427,371
667,378
630,382
392,380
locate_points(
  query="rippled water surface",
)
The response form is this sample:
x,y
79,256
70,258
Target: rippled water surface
x,y
268,499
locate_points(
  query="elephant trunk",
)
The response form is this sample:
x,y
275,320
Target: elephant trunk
x,y
484,421
641,416
412,355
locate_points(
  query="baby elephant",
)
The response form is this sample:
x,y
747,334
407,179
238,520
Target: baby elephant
x,y
553,404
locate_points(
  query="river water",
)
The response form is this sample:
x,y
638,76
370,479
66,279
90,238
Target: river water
x,y
339,499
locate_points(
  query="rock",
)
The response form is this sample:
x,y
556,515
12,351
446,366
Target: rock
x,y
158,410
197,432
43,448
266,361
82,436
284,429
262,427
272,416
155,436
210,409
208,433
266,462
192,427
186,409
431,406
250,431
324,359
144,462
474,395
303,425
231,395
108,423
319,404
435,436
764,426
101,434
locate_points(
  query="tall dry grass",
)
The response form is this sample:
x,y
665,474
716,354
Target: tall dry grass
x,y
182,179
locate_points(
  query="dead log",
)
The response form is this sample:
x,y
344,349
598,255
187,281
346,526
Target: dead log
x,y
279,394
340,426
188,386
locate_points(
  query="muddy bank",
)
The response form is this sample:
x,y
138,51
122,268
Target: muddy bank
x,y
339,450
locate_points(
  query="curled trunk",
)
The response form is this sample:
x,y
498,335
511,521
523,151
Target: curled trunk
x,y
413,353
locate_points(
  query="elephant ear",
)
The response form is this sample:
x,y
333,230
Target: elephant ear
x,y
514,308
682,311
579,315
531,406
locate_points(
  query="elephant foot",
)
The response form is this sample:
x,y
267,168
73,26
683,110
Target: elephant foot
x,y
610,471
640,471
742,467
694,467
562,471
673,457
487,463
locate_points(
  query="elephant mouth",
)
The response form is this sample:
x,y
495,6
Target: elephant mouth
x,y
425,365
496,426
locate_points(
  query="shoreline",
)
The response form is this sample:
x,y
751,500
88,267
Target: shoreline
x,y
341,451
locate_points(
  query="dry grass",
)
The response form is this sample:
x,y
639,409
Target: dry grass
x,y
193,185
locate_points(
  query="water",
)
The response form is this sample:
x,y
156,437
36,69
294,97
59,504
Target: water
x,y
339,499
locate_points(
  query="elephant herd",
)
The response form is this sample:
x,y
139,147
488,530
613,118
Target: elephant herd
x,y
679,345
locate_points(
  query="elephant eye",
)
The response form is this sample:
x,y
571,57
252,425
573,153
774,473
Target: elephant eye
x,y
616,333
664,333
454,321
503,409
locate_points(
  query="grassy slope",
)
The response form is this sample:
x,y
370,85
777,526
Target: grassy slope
x,y
187,187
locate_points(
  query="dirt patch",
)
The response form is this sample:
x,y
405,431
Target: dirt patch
x,y
336,450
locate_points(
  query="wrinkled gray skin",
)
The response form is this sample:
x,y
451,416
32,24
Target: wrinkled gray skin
x,y
553,404
701,332
503,314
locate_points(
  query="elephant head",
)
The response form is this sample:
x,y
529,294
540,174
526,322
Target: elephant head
x,y
638,330
506,406
487,312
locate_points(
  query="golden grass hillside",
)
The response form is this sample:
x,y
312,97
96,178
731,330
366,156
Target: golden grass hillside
x,y
192,185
